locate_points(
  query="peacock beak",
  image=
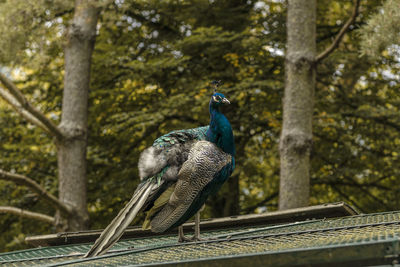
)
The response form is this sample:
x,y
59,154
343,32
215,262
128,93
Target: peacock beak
x,y
225,101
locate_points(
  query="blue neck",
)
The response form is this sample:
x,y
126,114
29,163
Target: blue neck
x,y
220,131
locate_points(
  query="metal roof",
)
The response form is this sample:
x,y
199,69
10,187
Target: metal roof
x,y
329,210
359,240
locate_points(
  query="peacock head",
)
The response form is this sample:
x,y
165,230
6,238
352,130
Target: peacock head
x,y
218,99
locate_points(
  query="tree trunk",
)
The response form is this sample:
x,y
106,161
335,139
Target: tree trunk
x,y
296,136
72,149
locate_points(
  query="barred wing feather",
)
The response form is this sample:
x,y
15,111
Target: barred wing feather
x,y
204,163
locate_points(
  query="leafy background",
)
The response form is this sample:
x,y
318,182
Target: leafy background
x,y
151,69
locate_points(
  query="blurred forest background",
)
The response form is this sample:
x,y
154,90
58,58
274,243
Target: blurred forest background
x,y
152,65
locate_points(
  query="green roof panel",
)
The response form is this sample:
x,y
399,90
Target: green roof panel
x,y
366,239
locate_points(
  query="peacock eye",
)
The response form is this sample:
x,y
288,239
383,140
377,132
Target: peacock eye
x,y
218,98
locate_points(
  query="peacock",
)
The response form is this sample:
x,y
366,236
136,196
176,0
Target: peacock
x,y
178,173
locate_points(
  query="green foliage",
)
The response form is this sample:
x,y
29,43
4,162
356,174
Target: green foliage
x,y
25,150
31,29
152,65
161,82
381,33
355,128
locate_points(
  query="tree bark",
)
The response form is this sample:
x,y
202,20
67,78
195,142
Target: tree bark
x,y
72,149
296,136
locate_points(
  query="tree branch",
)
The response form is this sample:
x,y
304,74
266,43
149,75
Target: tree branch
x,y
341,33
27,214
25,181
18,108
20,98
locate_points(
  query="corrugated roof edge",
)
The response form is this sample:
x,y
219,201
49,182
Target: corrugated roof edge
x,y
368,253
329,210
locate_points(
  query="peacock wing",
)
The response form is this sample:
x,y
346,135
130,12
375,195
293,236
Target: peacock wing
x,y
181,136
168,152
158,168
204,163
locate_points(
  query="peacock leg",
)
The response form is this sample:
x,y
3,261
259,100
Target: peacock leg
x,y
181,236
196,236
